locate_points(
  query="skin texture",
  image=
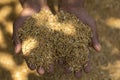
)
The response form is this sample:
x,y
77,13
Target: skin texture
x,y
75,7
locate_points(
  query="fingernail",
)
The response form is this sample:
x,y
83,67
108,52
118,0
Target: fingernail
x,y
68,71
32,67
41,70
87,69
17,48
51,69
61,62
98,47
78,74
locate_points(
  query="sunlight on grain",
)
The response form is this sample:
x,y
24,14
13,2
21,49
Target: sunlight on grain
x,y
69,30
28,45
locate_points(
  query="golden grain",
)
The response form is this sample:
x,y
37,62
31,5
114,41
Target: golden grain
x,y
55,37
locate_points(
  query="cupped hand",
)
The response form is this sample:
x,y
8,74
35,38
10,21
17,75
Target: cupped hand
x,y
17,42
83,16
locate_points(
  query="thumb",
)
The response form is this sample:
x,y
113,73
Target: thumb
x,y
96,44
97,47
17,43
17,48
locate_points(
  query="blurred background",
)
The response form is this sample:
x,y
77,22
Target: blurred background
x,y
105,64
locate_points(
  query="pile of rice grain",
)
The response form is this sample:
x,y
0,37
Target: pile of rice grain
x,y
47,38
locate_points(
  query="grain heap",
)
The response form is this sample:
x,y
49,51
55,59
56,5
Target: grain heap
x,y
47,38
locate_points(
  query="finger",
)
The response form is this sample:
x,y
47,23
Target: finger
x,y
96,44
17,44
61,62
40,70
78,74
18,48
30,66
87,67
68,70
51,69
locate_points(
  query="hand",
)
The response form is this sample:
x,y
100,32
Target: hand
x,y
81,13
86,19
16,25
17,42
76,7
27,11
